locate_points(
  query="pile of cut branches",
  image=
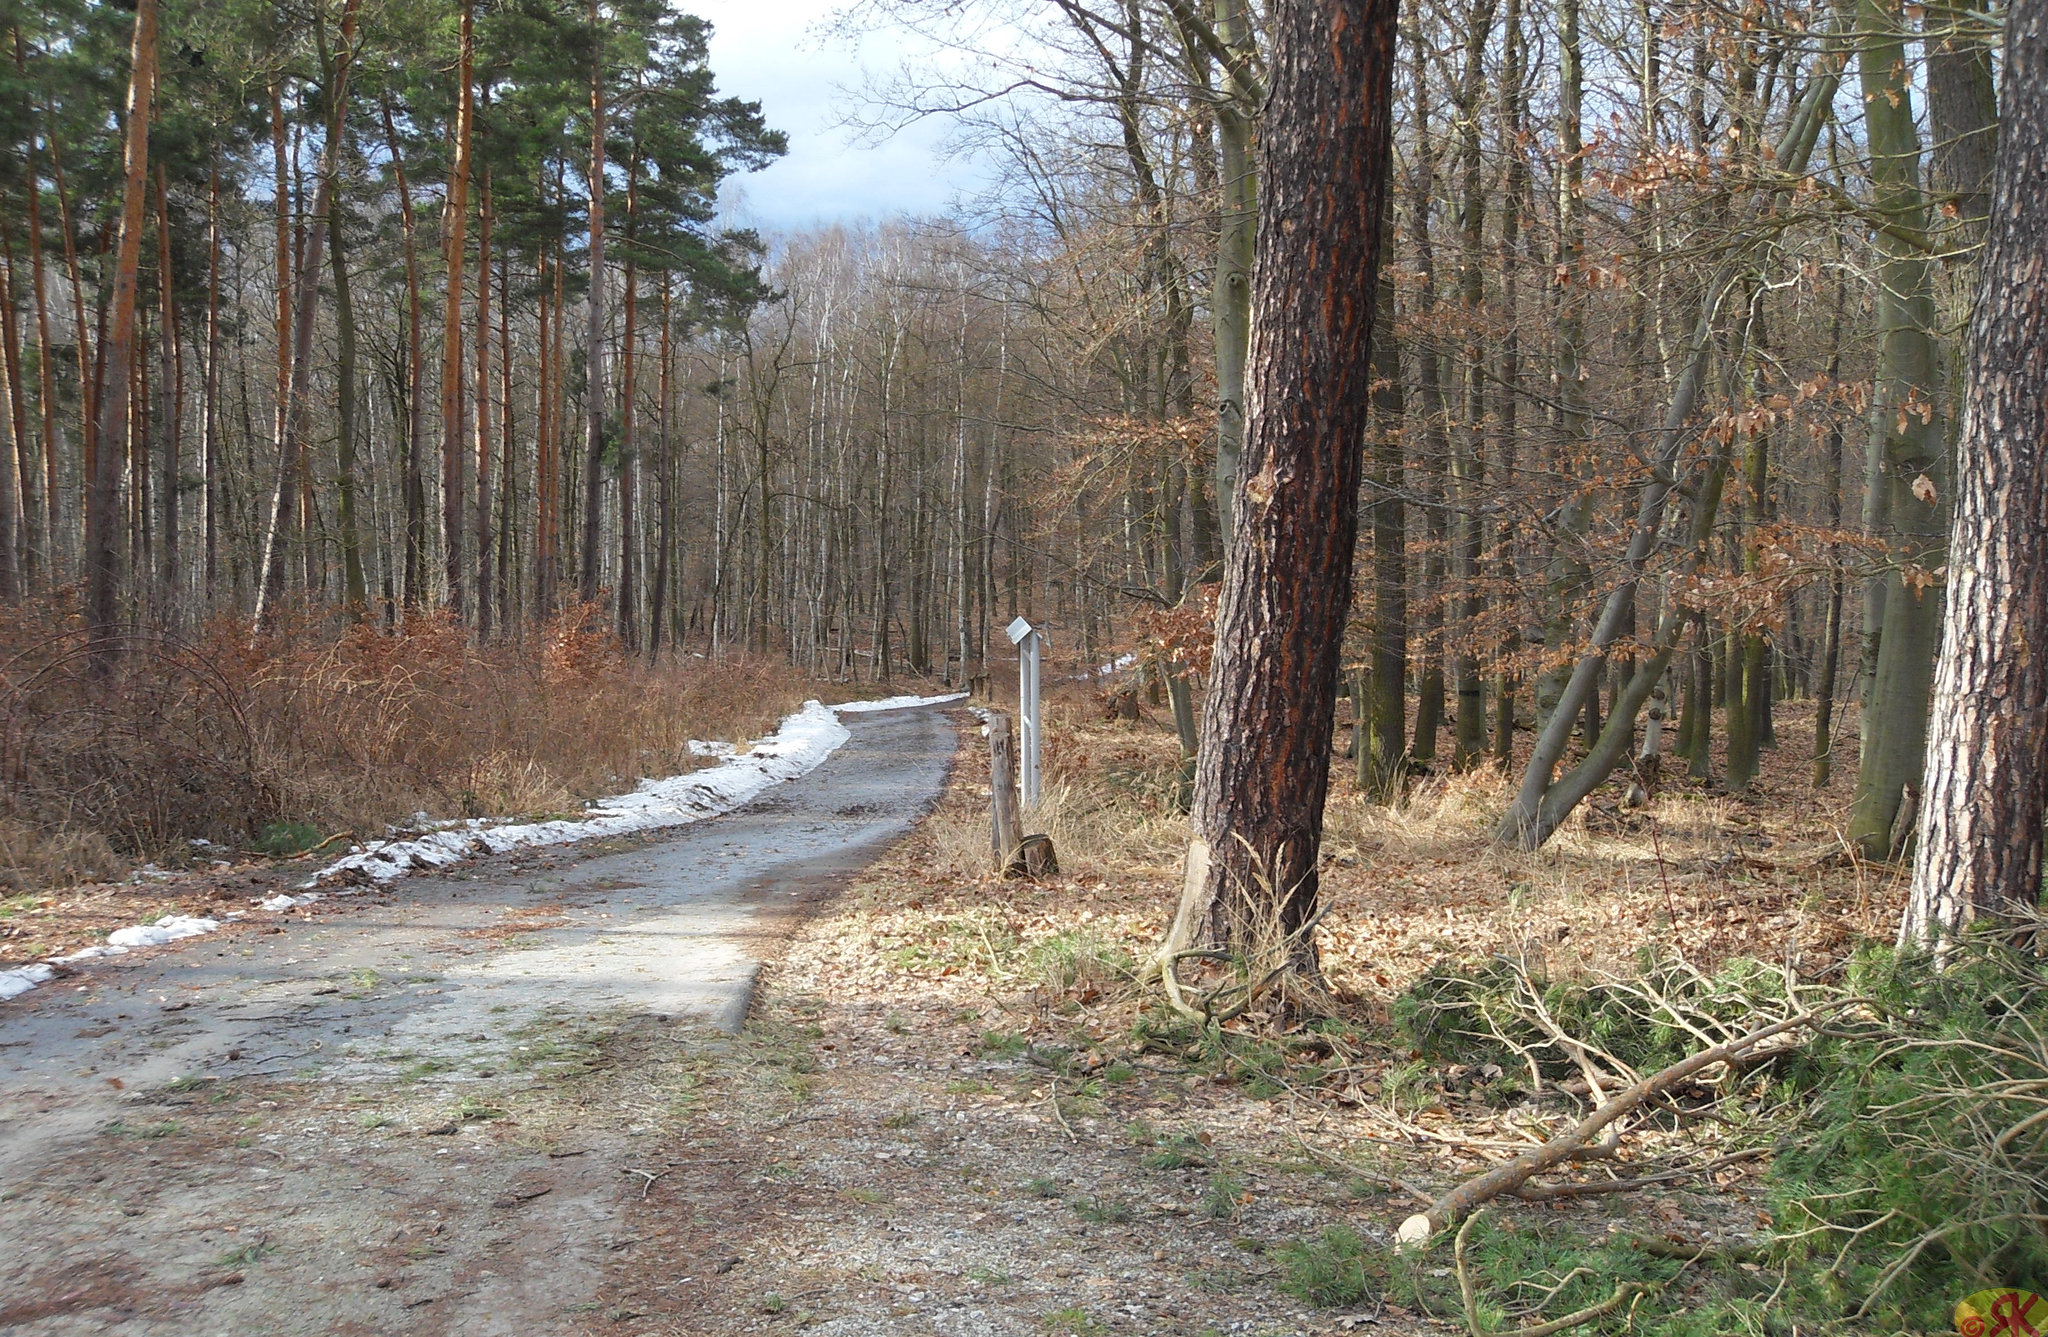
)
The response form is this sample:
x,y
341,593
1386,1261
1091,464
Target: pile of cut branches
x,y
1903,1109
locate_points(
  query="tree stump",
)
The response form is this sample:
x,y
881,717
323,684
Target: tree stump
x,y
1035,859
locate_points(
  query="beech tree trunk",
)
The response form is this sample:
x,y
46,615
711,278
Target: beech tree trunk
x,y
1986,783
1545,799
1236,129
1383,762
1265,757
1431,450
1908,475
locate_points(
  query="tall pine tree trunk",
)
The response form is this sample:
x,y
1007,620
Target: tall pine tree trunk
x,y
1986,781
1257,821
413,486
480,419
454,233
594,396
103,460
355,591
210,466
629,470
17,452
293,442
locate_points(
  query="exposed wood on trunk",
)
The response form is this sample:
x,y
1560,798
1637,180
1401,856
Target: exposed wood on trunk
x,y
1264,772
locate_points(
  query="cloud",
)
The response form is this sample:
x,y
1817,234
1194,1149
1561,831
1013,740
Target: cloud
x,y
773,51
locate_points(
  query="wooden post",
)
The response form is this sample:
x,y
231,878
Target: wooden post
x,y
1002,788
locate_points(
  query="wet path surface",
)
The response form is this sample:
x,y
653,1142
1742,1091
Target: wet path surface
x,y
345,1118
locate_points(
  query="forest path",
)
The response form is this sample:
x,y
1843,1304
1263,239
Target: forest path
x,y
416,1110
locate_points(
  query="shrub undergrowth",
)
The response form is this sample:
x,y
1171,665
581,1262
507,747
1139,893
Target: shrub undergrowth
x,y
320,727
1910,1144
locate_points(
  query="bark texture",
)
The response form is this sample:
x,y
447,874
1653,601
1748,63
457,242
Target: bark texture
x,y
107,443
1265,753
1908,477
1986,784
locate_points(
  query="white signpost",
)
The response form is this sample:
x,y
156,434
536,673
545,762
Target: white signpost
x,y
1028,641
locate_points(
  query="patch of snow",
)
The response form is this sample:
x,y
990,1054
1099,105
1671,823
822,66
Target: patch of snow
x,y
1117,665
168,929
89,954
803,741
898,703
796,748
23,978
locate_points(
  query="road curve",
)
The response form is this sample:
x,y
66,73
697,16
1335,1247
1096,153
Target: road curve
x,y
355,990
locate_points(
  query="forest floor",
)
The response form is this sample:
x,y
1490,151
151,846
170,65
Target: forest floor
x,y
948,1121
947,1114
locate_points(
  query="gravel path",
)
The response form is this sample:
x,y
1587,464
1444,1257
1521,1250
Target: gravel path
x,y
377,1114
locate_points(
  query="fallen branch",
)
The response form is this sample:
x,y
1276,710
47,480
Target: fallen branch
x,y
1558,1192
1510,1178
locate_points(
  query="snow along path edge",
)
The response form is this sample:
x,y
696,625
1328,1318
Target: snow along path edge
x,y
800,744
898,703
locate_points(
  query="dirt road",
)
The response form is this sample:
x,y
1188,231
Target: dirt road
x,y
377,1114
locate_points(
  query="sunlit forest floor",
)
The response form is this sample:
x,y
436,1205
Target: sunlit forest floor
x,y
988,1111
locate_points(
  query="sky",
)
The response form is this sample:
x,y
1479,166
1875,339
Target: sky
x,y
773,51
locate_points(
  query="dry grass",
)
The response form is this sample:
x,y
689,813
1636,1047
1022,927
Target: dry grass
x,y
218,737
1412,884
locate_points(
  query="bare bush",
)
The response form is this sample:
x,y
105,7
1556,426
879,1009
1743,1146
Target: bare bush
x,y
216,737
